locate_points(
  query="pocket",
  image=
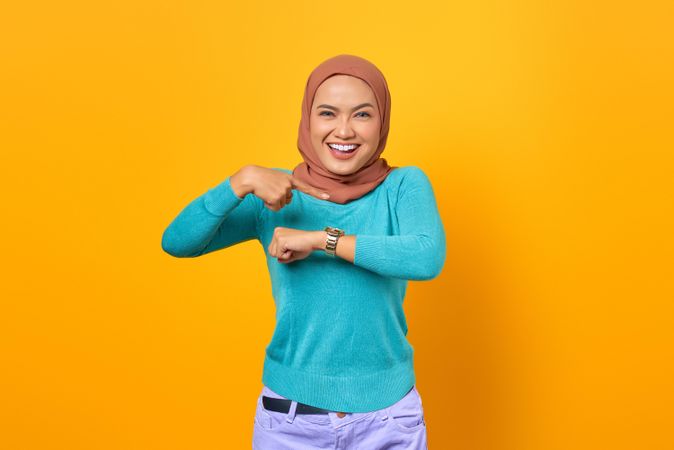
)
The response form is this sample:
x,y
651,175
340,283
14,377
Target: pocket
x,y
408,413
268,420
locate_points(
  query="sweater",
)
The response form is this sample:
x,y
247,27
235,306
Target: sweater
x,y
339,341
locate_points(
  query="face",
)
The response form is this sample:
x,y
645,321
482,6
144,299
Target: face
x,y
338,116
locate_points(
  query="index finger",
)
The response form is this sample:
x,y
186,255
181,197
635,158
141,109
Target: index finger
x,y
302,186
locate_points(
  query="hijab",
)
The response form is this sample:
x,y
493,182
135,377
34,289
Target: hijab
x,y
344,188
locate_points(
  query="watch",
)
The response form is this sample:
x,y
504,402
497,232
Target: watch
x,y
331,241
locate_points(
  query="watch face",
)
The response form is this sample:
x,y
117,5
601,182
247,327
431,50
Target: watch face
x,y
334,231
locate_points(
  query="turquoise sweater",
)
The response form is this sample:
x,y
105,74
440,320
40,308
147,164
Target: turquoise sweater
x,y
340,336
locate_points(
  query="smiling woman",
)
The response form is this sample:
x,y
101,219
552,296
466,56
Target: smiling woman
x,y
338,358
346,101
342,132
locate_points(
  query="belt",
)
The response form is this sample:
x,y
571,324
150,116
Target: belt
x,y
283,405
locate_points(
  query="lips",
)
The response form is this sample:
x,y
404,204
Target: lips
x,y
342,155
341,143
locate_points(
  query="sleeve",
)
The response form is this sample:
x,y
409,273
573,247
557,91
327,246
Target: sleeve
x,y
418,252
215,220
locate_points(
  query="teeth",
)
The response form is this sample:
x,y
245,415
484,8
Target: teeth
x,y
342,147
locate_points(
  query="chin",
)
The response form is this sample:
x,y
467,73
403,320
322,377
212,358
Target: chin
x,y
342,169
339,171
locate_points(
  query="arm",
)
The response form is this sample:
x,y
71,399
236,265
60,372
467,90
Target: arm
x,y
418,252
215,220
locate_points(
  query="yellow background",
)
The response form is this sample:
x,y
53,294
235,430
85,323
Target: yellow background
x,y
545,127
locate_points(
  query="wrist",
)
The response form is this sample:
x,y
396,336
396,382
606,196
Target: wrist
x,y
239,183
333,234
320,238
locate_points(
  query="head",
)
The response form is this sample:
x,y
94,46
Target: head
x,y
344,111
334,111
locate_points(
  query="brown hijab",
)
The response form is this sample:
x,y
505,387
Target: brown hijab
x,y
344,188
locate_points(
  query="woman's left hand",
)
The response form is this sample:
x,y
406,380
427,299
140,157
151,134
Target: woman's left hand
x,y
289,244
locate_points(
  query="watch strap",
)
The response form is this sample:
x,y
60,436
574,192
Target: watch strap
x,y
331,240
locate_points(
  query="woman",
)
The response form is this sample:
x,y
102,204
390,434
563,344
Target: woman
x,y
338,371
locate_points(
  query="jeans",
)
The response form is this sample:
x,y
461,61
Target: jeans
x,y
399,426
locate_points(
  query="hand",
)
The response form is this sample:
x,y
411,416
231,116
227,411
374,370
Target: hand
x,y
289,244
272,186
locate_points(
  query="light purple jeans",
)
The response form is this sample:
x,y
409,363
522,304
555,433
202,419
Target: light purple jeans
x,y
399,426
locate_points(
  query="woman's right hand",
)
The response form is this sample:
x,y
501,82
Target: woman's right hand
x,y
273,187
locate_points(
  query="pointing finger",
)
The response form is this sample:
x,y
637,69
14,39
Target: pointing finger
x,y
302,186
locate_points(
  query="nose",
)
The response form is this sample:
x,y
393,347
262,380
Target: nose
x,y
344,131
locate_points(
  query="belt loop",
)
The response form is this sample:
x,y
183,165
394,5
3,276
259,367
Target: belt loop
x,y
291,414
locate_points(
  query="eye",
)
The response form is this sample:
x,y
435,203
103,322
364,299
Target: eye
x,y
322,113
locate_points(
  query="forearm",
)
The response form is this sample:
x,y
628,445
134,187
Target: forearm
x,y
406,257
409,257
212,221
191,231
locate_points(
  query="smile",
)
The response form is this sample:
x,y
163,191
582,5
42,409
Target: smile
x,y
343,151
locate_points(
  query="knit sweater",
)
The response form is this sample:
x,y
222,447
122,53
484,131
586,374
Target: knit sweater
x,y
340,337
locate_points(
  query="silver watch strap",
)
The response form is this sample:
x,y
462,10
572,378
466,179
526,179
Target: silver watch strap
x,y
331,240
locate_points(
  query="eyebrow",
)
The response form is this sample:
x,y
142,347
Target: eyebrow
x,y
362,105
